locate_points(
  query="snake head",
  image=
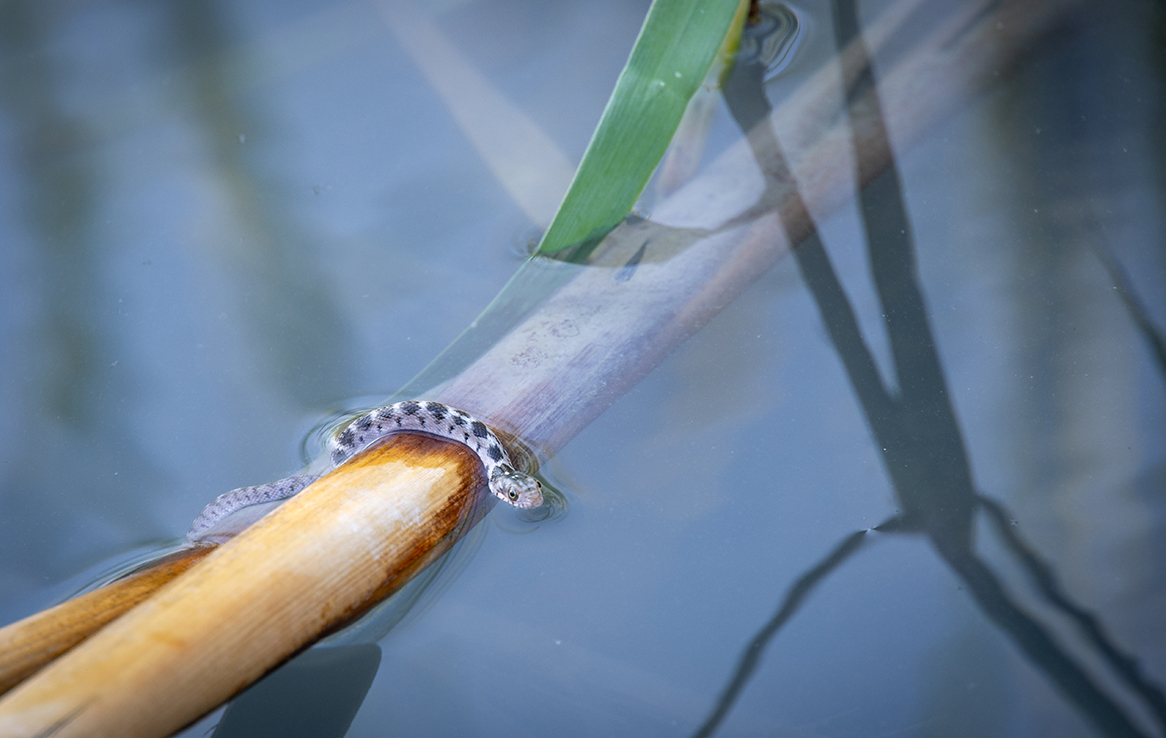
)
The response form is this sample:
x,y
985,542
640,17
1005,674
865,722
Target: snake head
x,y
516,488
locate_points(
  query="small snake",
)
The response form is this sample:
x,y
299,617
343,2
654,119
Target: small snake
x,y
430,418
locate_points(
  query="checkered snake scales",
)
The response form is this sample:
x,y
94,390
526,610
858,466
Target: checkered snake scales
x,y
414,416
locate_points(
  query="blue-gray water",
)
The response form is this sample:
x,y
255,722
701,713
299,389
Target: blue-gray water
x,y
219,221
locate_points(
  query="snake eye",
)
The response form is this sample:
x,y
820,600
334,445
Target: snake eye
x,y
512,494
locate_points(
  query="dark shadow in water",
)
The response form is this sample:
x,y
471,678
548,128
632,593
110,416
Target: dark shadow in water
x,y
315,695
1045,580
751,656
916,429
1133,304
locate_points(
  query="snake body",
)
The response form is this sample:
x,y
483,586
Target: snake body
x,y
414,416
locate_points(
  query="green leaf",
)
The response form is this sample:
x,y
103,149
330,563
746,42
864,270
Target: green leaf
x,y
677,47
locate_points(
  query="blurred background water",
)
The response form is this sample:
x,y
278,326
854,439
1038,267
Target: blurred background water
x,y
220,222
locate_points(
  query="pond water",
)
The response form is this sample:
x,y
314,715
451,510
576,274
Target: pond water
x,y
222,222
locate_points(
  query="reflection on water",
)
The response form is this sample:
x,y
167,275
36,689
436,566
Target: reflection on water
x,y
554,508
916,428
771,38
179,305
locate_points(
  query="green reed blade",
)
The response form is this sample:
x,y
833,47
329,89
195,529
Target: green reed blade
x,y
677,47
